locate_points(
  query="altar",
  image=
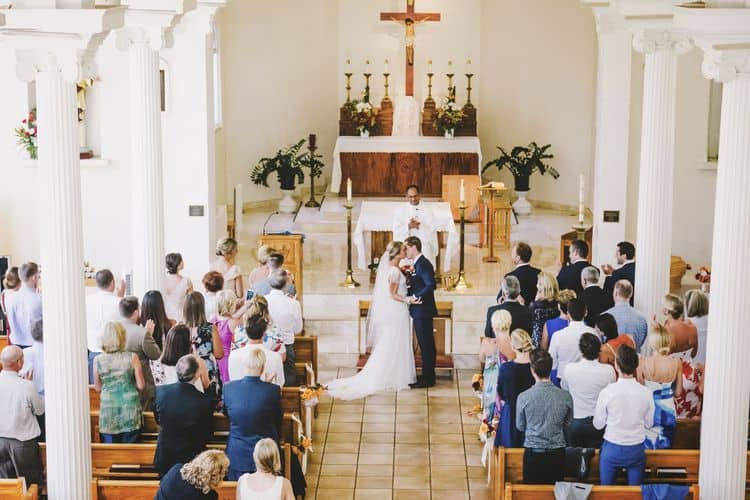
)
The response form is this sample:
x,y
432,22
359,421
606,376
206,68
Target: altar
x,y
386,165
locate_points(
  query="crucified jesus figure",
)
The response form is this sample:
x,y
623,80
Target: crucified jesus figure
x,y
411,41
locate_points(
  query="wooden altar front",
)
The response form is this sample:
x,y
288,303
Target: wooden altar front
x,y
389,174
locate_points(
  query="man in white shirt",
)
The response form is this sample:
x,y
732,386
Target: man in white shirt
x,y
273,370
101,307
416,219
33,367
19,429
626,409
585,379
286,316
564,346
24,306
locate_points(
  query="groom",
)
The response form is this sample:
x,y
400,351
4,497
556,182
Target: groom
x,y
422,288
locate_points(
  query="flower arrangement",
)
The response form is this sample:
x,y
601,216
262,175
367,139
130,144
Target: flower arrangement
x,y
311,395
364,117
449,116
703,275
26,134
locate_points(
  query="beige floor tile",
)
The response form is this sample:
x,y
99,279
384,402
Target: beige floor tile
x,y
478,483
443,438
411,483
315,458
448,459
340,402
379,418
476,472
445,418
347,410
374,482
378,448
339,470
447,482
343,437
421,458
412,398
350,447
480,494
474,456
410,448
373,494
375,459
411,495
412,470
345,427
344,418
418,426
379,427
411,409
334,494
451,471
377,408
382,399
411,438
339,482
450,494
375,470
445,428
378,437
339,458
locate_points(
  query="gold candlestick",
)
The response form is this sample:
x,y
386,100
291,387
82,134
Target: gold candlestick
x,y
386,75
468,89
348,86
581,230
367,86
429,85
461,283
349,281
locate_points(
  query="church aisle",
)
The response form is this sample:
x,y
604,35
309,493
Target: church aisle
x,y
415,444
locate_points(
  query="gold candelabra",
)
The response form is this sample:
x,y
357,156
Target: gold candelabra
x,y
348,86
367,86
468,89
429,85
349,281
386,75
461,283
581,229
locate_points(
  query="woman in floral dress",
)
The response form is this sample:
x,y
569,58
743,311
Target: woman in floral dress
x,y
206,342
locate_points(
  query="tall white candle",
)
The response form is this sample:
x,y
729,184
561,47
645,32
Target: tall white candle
x,y
429,66
462,192
581,195
349,190
386,66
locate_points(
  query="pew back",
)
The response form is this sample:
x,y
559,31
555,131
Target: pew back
x,y
306,351
102,489
542,492
16,488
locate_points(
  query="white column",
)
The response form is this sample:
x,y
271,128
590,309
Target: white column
x,y
655,180
612,132
727,384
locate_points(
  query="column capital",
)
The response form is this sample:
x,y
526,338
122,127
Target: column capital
x,y
151,22
726,65
648,41
202,20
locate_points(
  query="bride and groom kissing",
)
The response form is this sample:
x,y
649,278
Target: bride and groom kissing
x,y
404,293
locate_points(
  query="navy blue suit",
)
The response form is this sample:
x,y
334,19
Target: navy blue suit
x,y
527,277
626,272
422,285
254,411
569,277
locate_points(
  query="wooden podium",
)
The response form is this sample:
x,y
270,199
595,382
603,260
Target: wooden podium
x,y
290,246
495,228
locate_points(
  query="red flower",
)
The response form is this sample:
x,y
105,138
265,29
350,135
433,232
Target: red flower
x,y
27,134
23,121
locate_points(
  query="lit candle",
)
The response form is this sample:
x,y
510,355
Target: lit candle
x,y
580,199
462,192
349,190
386,66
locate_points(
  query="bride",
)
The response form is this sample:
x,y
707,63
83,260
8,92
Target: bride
x,y
391,363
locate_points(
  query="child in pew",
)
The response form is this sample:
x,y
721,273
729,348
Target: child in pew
x,y
196,480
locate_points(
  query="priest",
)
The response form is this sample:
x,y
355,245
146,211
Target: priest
x,y
416,219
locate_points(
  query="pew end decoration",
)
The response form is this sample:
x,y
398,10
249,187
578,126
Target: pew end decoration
x,y
26,135
311,394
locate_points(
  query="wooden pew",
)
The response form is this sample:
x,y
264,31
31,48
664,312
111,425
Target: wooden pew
x,y
102,489
687,434
306,351
541,492
16,488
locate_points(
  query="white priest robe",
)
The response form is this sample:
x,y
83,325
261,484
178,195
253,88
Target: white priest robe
x,y
426,232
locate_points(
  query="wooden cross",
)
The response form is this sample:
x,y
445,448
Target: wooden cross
x,y
409,19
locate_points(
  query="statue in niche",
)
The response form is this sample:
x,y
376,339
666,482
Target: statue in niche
x,y
85,151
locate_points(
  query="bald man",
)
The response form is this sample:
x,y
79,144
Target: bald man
x,y
19,429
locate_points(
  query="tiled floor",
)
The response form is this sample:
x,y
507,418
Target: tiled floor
x,y
415,444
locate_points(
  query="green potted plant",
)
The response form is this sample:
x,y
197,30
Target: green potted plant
x,y
287,164
522,161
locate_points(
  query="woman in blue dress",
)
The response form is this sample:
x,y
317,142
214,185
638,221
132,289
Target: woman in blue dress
x,y
514,377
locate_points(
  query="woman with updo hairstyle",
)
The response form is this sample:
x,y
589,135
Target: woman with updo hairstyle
x,y
226,252
267,482
262,271
198,479
683,334
177,286
514,377
11,284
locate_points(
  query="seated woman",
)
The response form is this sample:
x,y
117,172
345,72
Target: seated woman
x,y
118,376
558,323
266,483
513,378
544,307
196,480
606,327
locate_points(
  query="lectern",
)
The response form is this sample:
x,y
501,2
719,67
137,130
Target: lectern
x,y
496,228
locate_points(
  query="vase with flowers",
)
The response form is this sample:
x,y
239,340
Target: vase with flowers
x,y
26,134
449,116
364,118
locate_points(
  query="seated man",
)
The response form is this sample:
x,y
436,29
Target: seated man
x,y
564,345
185,417
510,290
626,409
19,429
273,370
543,412
597,300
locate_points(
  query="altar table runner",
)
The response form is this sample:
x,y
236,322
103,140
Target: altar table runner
x,y
378,216
391,144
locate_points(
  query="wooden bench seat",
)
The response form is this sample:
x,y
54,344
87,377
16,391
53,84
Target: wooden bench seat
x,y
542,492
16,488
102,489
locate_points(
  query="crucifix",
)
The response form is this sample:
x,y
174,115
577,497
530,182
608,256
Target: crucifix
x,y
409,19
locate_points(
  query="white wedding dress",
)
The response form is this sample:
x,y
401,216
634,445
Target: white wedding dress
x,y
391,363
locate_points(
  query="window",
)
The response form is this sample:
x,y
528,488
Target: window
x,y
714,121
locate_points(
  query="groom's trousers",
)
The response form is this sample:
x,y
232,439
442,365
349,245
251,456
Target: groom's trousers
x,y
426,339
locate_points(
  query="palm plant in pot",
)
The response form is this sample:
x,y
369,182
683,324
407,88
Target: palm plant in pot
x,y
287,164
522,161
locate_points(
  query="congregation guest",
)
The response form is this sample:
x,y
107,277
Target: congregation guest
x,y
585,380
513,378
11,283
662,376
683,334
152,308
24,306
198,479
176,345
493,352
624,410
185,417
544,307
177,287
101,307
624,255
606,327
213,283
286,315
261,272
628,319
205,339
267,482
564,345
275,262
226,252
696,310
597,300
542,412
527,275
569,276
118,376
510,291
556,324
226,323
139,340
254,410
33,364
19,428
273,369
